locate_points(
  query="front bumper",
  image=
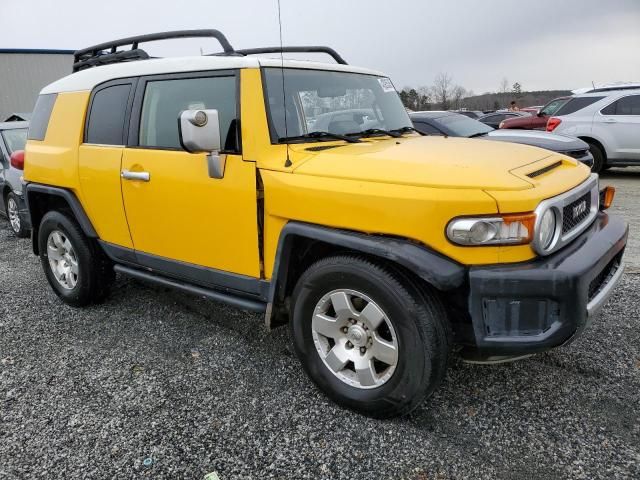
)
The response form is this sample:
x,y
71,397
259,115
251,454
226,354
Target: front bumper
x,y
533,306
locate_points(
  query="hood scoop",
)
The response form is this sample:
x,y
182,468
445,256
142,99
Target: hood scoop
x,y
320,148
543,170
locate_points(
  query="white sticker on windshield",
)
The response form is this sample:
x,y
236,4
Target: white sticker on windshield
x,y
386,85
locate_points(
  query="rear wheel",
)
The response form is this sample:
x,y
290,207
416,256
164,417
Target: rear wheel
x,y
13,214
367,337
599,159
75,267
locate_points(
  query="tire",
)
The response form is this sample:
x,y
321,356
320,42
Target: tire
x,y
83,273
16,222
599,159
414,320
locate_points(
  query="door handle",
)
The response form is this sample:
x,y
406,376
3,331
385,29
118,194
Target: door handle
x,y
141,176
610,120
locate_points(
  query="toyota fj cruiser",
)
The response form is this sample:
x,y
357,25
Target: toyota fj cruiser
x,y
300,189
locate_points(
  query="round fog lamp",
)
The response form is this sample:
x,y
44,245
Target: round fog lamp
x,y
547,228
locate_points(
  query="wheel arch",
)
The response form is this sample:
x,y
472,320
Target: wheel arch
x,y
302,244
590,139
43,198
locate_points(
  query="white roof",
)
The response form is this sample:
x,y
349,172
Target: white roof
x,y
90,77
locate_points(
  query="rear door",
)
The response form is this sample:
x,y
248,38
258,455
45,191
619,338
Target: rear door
x,y
100,157
180,218
621,121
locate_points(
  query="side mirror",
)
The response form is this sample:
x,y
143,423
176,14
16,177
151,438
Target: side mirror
x,y
200,133
17,159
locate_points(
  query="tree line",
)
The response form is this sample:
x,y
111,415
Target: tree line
x,y
444,94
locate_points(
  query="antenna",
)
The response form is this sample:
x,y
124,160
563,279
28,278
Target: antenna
x,y
287,163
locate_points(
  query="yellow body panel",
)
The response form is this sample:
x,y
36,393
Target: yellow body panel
x,y
54,161
416,213
184,214
99,171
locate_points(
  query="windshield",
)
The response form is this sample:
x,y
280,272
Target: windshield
x,y
336,102
462,126
15,139
553,106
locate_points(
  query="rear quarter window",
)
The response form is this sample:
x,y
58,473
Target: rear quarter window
x,y
41,115
107,115
576,104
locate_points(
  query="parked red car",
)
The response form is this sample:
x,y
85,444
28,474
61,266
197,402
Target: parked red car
x,y
536,121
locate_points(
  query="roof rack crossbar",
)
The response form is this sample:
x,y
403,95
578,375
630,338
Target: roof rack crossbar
x,y
86,57
105,53
312,49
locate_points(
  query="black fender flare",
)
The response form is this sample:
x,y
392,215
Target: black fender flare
x,y
434,268
33,189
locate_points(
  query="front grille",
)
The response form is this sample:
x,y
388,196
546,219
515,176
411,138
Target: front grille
x,y
601,280
576,212
577,154
543,170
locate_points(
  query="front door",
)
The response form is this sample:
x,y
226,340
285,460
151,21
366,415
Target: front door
x,y
177,214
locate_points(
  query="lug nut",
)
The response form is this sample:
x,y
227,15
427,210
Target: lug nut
x,y
344,329
363,350
349,345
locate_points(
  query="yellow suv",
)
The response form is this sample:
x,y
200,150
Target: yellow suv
x,y
299,189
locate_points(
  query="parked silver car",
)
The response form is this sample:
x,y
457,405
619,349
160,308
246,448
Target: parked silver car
x,y
13,136
608,119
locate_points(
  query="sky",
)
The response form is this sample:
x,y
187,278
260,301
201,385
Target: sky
x,y
541,44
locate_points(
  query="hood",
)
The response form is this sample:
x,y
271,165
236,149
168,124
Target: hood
x,y
438,162
546,140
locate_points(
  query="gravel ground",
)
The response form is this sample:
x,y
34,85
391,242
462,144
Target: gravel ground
x,y
155,384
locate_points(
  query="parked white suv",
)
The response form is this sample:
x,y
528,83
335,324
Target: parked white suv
x,y
608,120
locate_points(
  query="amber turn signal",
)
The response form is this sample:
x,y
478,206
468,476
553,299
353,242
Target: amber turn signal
x,y
606,197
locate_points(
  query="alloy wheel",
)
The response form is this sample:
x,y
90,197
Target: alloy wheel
x,y
355,339
14,215
62,259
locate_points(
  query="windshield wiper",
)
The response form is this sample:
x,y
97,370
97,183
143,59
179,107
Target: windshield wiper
x,y
321,135
375,131
479,134
402,130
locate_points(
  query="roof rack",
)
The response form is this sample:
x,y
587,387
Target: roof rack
x,y
95,55
610,87
317,49
105,53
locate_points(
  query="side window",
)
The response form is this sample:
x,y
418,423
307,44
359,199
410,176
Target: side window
x,y
107,115
41,115
495,118
577,103
624,106
165,99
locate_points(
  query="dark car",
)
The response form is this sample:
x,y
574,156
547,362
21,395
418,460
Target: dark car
x,y
455,125
13,136
494,119
537,121
475,114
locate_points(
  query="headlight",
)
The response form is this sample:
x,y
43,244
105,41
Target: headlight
x,y
546,228
497,230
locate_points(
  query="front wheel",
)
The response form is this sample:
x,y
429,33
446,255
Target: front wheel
x,y
13,214
368,337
